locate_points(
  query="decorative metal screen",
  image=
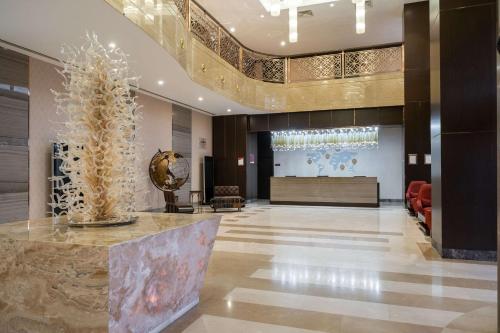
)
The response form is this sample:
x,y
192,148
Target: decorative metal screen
x,y
229,49
367,62
264,68
324,67
182,7
204,28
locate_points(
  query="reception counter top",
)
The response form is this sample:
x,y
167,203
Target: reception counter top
x,y
328,191
131,278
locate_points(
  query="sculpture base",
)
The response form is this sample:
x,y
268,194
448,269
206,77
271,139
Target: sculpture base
x,y
103,223
137,278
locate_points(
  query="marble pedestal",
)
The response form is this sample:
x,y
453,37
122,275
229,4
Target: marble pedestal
x,y
135,278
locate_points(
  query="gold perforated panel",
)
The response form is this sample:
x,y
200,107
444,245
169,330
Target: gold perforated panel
x,y
182,7
368,62
261,67
229,49
204,28
324,67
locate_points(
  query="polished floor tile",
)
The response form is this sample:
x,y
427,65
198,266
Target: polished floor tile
x,y
302,269
213,324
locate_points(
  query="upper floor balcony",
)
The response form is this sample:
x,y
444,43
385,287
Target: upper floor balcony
x,y
213,58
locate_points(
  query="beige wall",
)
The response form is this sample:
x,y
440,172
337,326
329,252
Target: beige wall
x,y
154,132
44,123
201,128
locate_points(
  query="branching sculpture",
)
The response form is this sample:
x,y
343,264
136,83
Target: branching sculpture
x,y
97,145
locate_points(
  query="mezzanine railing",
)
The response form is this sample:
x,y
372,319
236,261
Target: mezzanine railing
x,y
269,68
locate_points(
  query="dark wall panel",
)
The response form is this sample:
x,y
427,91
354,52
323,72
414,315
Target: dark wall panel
x,y
299,120
230,132
14,151
320,119
463,36
258,123
417,90
464,115
392,115
265,165
366,117
342,118
278,121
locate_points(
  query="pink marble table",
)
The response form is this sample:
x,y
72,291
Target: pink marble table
x,y
135,278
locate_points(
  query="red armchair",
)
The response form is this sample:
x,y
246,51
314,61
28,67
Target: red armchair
x,y
412,191
428,217
421,205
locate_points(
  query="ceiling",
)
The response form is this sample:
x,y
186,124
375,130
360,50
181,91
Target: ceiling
x,y
44,25
331,28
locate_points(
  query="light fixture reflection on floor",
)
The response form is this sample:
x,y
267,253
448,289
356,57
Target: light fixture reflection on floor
x,y
336,138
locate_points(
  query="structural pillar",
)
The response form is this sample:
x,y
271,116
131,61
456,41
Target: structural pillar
x,y
463,128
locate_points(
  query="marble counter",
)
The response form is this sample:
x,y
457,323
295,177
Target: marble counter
x,y
133,278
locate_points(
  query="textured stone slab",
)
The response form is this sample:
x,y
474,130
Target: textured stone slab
x,y
135,278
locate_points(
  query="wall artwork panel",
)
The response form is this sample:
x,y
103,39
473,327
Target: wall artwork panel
x,y
384,162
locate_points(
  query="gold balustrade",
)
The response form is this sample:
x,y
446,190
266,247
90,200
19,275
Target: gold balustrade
x,y
215,59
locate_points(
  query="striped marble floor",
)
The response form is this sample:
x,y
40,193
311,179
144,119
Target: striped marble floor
x,y
291,269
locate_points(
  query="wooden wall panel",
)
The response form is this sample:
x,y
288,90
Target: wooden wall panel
x,y
14,69
366,117
392,115
299,120
342,118
229,143
417,90
14,120
14,206
320,119
258,123
278,121
464,118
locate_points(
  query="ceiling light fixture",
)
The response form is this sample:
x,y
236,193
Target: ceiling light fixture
x,y
360,16
332,4
283,43
275,8
200,99
261,15
232,29
292,21
229,110
112,45
160,82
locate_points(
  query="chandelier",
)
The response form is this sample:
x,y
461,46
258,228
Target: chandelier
x,y
336,138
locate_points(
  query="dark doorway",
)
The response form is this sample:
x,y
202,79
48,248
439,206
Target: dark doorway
x,y
265,165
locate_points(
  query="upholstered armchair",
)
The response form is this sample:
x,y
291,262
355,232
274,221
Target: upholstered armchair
x,y
227,197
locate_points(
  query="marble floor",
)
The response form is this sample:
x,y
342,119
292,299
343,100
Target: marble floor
x,y
291,269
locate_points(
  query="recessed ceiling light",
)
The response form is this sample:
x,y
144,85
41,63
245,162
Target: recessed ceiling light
x,y
228,110
200,99
261,15
283,43
232,29
332,4
160,82
112,45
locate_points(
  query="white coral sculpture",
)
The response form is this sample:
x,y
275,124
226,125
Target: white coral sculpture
x,y
97,144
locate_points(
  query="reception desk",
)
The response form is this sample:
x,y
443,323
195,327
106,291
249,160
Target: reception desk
x,y
325,191
133,278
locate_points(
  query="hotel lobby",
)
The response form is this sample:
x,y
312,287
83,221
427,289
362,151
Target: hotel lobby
x,y
257,166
